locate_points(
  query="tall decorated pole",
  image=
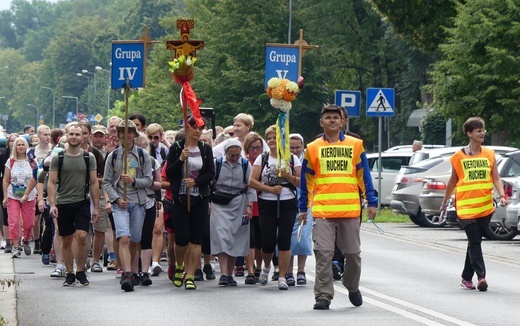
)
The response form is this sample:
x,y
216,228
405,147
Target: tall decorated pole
x,y
282,67
129,72
182,69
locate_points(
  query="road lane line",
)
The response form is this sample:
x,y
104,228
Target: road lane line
x,y
399,311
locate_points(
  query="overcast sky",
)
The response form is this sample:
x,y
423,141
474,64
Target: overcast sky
x,y
6,4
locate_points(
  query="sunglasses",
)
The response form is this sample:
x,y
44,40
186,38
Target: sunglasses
x,y
154,137
231,133
255,148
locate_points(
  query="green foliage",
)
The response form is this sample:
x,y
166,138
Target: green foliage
x,y
479,73
434,128
420,23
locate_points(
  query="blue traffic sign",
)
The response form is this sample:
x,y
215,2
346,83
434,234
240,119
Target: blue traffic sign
x,y
350,100
281,62
128,60
380,102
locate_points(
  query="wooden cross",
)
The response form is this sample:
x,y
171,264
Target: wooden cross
x,y
147,40
302,45
185,46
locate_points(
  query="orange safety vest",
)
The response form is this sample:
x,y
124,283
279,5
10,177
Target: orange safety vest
x,y
336,192
474,189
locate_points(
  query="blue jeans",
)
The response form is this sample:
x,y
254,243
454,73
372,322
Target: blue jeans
x,y
129,222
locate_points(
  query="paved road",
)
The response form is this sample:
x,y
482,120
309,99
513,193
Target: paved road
x,y
410,277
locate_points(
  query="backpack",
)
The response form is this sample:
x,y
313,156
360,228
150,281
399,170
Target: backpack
x,y
140,152
162,152
245,163
86,157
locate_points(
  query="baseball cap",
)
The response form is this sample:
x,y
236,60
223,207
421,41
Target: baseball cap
x,y
331,108
99,128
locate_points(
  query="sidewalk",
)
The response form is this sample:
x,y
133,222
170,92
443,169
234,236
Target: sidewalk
x,y
7,293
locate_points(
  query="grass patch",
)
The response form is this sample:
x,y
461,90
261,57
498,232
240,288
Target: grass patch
x,y
385,215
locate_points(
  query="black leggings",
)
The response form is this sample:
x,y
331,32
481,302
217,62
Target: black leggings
x,y
270,224
147,232
188,226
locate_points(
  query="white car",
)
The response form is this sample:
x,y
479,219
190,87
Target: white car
x,y
391,163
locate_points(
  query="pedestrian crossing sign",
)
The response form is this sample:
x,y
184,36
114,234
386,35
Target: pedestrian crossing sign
x,y
380,102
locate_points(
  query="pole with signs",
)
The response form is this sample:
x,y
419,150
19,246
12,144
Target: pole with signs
x,y
380,103
182,72
129,72
284,61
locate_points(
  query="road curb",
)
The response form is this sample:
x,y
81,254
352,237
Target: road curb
x,y
7,293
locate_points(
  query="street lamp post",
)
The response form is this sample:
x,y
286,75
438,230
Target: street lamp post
x,y
76,98
85,71
53,104
88,88
37,114
98,68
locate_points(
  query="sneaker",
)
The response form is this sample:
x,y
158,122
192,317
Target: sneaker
x,y
164,257
321,304
112,266
467,284
282,284
264,276
82,278
289,278
46,259
127,283
145,279
119,273
337,270
96,268
8,249
239,271
198,275
59,271
3,244
156,269
70,279
210,273
27,249
17,253
53,257
257,274
171,272
301,279
482,285
355,298
136,279
223,280
250,279
231,281
275,276
37,250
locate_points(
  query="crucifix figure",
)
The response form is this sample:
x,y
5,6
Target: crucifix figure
x,y
185,46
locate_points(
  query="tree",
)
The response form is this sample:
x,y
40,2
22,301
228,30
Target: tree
x,y
420,23
480,71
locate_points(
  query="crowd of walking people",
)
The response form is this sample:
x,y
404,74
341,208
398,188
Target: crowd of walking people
x,y
145,195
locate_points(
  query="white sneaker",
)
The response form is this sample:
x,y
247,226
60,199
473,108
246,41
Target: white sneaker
x,y
156,269
17,253
3,244
59,271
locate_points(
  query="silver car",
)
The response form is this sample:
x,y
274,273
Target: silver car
x,y
391,163
503,223
405,194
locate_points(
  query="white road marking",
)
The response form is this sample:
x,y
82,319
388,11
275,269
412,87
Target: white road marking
x,y
399,311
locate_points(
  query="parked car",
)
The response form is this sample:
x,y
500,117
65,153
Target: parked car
x,y
408,148
405,193
501,226
426,153
390,165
